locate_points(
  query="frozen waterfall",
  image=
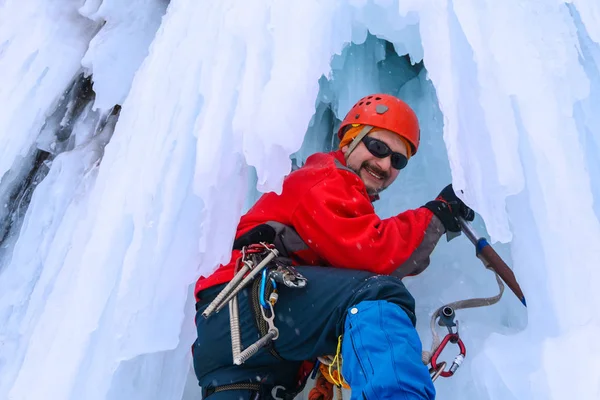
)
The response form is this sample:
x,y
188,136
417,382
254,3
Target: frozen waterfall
x,y
134,134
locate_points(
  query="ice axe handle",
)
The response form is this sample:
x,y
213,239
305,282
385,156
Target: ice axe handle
x,y
493,260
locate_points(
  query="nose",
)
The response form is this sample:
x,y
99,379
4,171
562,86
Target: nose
x,y
384,163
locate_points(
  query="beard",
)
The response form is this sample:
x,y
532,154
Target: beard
x,y
384,175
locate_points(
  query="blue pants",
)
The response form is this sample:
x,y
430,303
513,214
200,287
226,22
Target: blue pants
x,y
381,349
382,354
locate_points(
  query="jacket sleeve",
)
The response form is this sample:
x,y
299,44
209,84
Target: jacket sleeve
x,y
338,222
419,259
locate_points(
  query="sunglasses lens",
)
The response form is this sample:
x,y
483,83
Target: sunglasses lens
x,y
381,150
378,149
399,161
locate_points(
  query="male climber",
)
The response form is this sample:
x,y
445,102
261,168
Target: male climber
x,y
354,304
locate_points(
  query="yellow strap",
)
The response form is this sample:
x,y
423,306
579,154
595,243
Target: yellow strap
x,y
335,375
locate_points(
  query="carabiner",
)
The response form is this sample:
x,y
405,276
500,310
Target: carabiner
x,y
454,338
263,290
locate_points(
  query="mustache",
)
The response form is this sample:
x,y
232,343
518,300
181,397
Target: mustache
x,y
375,169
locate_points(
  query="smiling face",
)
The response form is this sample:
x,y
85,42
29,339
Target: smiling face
x,y
376,173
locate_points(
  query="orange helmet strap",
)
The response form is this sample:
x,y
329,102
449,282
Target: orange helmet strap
x,y
364,132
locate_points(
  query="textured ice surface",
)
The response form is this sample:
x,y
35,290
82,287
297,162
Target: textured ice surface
x,y
99,243
119,47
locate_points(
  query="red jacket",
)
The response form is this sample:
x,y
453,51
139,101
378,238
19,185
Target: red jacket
x,y
328,206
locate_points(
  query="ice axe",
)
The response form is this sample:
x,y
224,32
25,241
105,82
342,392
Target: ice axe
x,y
491,259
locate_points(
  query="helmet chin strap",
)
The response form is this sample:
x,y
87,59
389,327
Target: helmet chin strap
x,y
364,131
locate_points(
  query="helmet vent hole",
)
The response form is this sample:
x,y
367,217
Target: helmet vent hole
x,y
361,103
370,97
368,102
357,116
377,98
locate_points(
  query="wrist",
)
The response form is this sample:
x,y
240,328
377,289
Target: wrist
x,y
441,209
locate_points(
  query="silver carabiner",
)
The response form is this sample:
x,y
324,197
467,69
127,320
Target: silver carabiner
x,y
270,320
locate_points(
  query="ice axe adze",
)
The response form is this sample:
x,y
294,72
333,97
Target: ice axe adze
x,y
492,260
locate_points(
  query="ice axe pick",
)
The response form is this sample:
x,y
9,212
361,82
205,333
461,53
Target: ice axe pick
x,y
491,259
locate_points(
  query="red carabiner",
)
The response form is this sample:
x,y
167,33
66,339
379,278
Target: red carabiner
x,y
451,337
258,248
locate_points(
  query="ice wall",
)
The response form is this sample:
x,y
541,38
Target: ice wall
x,y
534,80
36,66
95,282
53,299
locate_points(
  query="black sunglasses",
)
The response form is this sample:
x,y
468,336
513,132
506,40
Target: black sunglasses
x,y
381,150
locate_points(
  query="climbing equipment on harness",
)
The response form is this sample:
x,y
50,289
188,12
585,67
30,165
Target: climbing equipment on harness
x,y
324,388
331,367
327,379
266,308
328,374
273,297
263,259
239,282
272,334
229,296
287,275
247,268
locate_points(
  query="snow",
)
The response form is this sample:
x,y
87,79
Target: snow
x,y
100,244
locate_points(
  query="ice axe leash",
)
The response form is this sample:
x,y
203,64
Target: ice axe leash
x,y
444,316
491,259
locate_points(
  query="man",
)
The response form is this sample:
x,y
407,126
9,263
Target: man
x,y
324,222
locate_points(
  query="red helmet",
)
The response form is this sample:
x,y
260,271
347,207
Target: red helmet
x,y
385,112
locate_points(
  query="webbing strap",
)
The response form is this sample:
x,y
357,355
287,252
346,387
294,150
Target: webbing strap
x,y
277,392
364,131
255,387
458,305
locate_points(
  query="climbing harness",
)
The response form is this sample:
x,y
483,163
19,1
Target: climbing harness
x,y
254,387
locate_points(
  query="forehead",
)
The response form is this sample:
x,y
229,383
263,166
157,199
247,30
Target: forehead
x,y
391,139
